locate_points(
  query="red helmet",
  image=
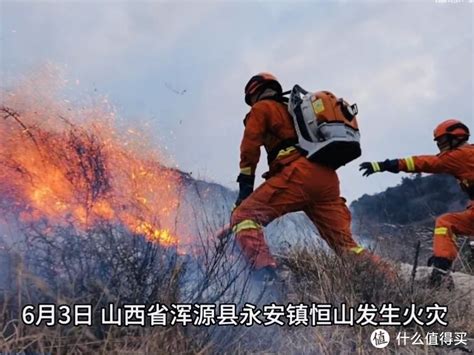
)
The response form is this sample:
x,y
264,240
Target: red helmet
x,y
453,128
259,82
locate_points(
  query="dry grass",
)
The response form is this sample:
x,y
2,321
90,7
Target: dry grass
x,y
324,278
315,277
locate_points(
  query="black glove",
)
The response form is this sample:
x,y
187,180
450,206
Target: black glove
x,y
374,167
246,183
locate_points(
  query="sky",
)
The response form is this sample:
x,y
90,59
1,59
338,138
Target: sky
x,y
179,68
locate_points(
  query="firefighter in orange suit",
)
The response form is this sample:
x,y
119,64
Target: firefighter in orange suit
x,y
293,183
456,158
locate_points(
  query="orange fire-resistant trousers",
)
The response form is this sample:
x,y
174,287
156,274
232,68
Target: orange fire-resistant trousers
x,y
447,226
300,186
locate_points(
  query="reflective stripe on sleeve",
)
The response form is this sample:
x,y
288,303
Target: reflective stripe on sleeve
x,y
410,163
285,152
246,224
375,166
246,171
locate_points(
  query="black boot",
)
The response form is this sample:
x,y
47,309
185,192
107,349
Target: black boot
x,y
266,275
440,276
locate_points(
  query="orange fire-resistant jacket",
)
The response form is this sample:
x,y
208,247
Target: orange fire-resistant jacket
x,y
458,162
269,124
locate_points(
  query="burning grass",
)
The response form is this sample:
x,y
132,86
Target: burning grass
x,y
71,167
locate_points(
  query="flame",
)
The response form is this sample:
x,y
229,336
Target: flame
x,y
69,165
162,236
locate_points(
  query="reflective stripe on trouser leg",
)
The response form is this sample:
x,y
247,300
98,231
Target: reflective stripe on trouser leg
x,y
444,243
249,235
246,224
357,249
441,231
